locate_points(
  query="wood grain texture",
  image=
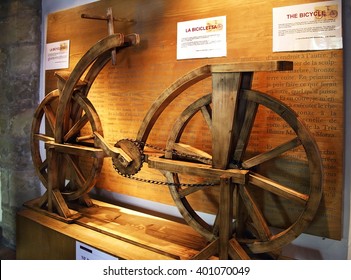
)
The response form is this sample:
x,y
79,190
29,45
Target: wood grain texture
x,y
123,94
118,231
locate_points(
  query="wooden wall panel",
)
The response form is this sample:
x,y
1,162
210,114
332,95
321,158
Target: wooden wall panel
x,y
122,94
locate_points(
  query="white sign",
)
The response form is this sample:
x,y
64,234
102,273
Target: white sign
x,y
57,55
315,26
86,252
202,38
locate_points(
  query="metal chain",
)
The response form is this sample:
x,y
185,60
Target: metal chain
x,y
141,145
199,158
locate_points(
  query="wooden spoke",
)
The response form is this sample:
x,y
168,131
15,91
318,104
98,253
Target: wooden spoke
x,y
43,166
255,214
42,137
210,250
50,117
74,131
79,174
190,190
216,225
236,251
207,114
243,139
192,151
277,151
42,172
278,189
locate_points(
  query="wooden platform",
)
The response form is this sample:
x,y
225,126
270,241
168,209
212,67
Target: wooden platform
x,y
117,231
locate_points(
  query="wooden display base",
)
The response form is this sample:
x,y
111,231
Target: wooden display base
x,y
117,231
36,204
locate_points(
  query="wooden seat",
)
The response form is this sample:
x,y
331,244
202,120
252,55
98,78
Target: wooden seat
x,y
253,66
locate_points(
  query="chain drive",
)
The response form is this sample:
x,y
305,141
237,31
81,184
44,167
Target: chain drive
x,y
141,145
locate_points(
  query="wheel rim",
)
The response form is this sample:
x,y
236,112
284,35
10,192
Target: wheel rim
x,y
68,110
95,58
84,122
268,241
44,114
262,237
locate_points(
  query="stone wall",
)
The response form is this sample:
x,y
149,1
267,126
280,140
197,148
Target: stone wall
x,y
20,49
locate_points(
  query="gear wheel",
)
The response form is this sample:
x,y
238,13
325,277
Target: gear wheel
x,y
135,152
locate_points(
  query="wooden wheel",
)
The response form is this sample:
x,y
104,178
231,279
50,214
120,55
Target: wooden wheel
x,y
82,124
68,113
90,64
44,114
234,121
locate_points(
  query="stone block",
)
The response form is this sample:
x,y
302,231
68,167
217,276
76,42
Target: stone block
x,y
15,153
20,50
9,226
20,23
20,124
4,182
24,60
23,186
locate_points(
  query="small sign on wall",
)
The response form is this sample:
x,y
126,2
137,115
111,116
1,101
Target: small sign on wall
x,y
307,27
202,38
57,55
86,252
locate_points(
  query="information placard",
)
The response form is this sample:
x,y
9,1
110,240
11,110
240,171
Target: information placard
x,y
57,55
202,38
315,26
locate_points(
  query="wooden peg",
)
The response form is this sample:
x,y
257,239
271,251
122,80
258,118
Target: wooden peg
x,y
110,26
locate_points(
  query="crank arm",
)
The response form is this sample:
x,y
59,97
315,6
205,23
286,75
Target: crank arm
x,y
198,169
112,151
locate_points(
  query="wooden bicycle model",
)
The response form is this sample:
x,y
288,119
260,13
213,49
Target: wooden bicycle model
x,y
74,135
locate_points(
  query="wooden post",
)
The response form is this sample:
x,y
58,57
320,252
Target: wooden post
x,y
51,177
225,216
224,99
228,246
56,178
